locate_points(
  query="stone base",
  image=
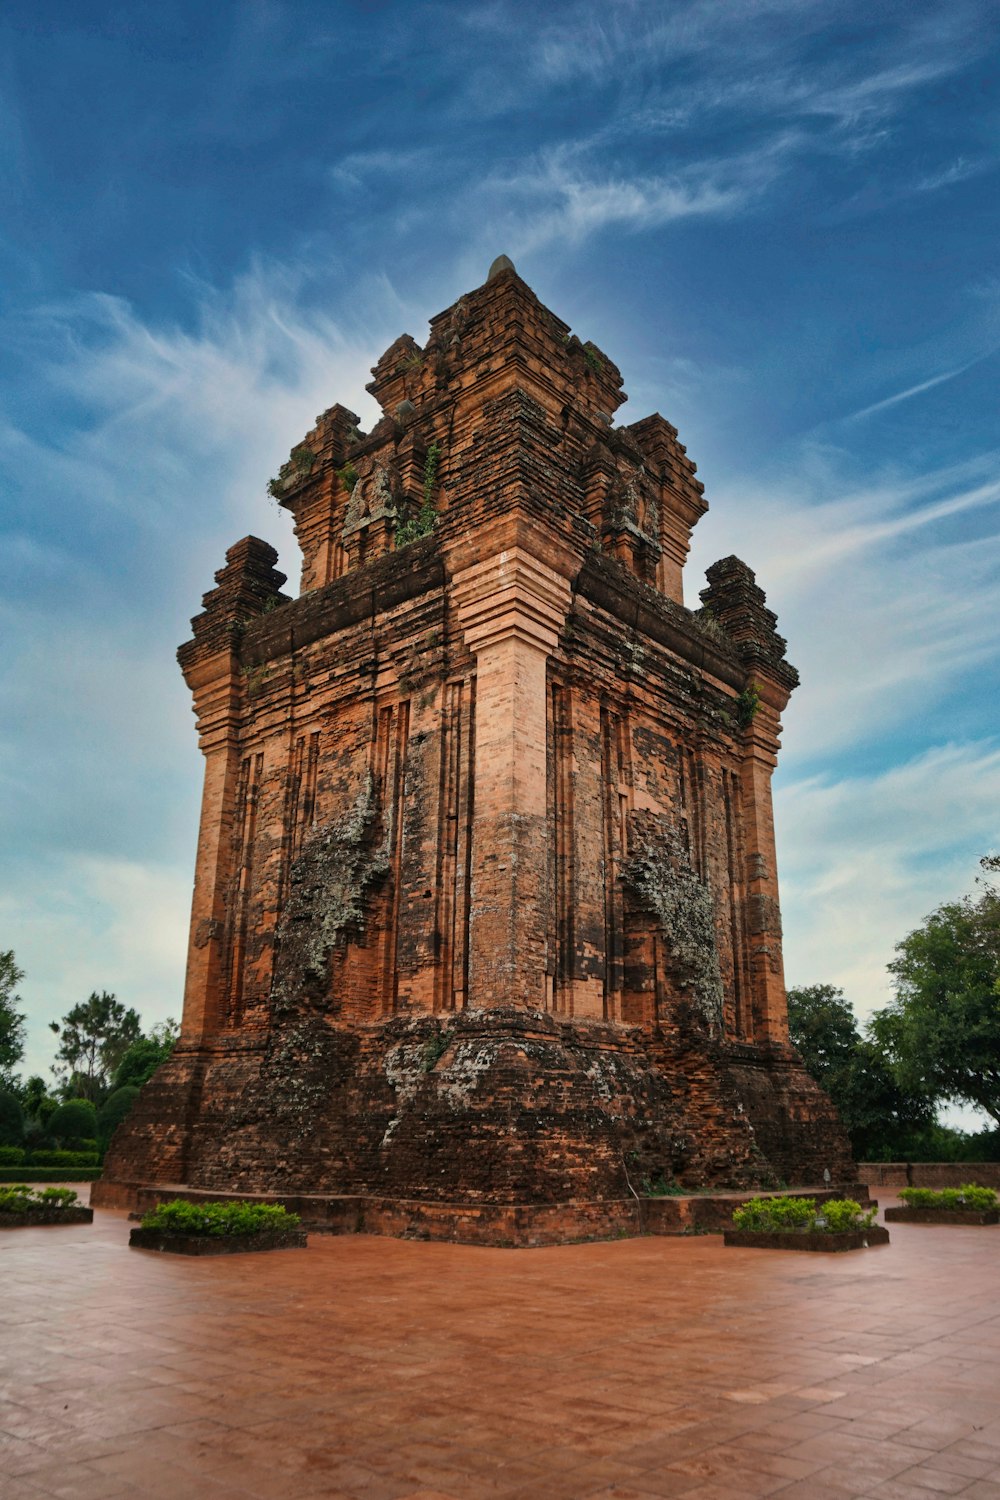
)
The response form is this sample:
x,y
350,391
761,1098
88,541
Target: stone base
x,y
520,1225
942,1216
78,1215
814,1239
215,1244
501,1112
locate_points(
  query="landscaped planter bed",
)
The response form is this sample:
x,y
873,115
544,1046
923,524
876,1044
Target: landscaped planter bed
x,y
808,1239
968,1204
906,1215
798,1224
182,1228
23,1207
215,1244
32,1216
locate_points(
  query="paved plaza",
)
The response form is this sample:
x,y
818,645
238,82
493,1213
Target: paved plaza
x,y
384,1370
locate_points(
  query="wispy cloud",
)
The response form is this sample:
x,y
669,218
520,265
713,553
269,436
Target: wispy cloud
x,y
918,389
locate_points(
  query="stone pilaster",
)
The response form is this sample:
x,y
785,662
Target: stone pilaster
x,y
512,608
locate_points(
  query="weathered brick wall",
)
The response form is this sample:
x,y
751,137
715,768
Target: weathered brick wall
x,y
486,901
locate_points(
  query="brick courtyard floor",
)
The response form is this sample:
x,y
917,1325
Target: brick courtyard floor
x,y
380,1370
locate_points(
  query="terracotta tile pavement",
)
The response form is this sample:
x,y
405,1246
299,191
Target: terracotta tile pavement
x,y
370,1369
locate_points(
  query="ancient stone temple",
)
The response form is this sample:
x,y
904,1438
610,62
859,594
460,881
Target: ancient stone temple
x,y
486,938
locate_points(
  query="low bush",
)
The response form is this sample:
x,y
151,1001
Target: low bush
x,y
11,1156
73,1123
801,1215
182,1217
19,1198
969,1195
64,1159
769,1214
49,1174
843,1214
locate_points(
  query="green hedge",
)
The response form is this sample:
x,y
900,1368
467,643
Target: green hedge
x,y
802,1215
11,1156
178,1216
63,1159
49,1174
969,1195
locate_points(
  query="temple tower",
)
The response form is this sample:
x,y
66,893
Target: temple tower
x,y
486,906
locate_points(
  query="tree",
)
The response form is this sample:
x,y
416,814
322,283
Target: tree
x,y
11,1119
93,1038
941,1033
74,1123
113,1111
823,1029
11,1019
144,1056
884,1120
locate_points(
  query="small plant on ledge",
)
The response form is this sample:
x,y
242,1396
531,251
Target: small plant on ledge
x,y
424,522
298,466
747,705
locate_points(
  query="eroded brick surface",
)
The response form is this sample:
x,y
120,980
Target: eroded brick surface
x,y
486,904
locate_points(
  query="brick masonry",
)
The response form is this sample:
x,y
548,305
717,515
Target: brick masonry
x,y
486,905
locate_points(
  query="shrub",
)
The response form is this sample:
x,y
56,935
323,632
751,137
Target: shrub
x,y
842,1214
74,1121
19,1198
11,1119
114,1110
49,1174
63,1159
11,1156
969,1195
776,1213
182,1217
15,1199
801,1215
56,1197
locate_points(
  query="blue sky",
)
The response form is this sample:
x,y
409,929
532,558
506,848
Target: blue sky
x,y
779,218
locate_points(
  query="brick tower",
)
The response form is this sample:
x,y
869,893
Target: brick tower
x,y
485,933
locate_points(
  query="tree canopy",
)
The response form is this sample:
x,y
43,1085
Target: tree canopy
x,y
882,1119
145,1055
11,1018
942,1030
93,1038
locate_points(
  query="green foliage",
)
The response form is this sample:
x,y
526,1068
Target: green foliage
x,y
11,1119
64,1158
842,1214
11,1019
73,1122
592,358
968,1195
20,1198
775,1213
801,1215
93,1038
424,522
16,1198
941,1033
348,476
145,1055
660,1188
747,705
434,1050
182,1217
884,1121
11,1156
298,466
114,1110
49,1174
